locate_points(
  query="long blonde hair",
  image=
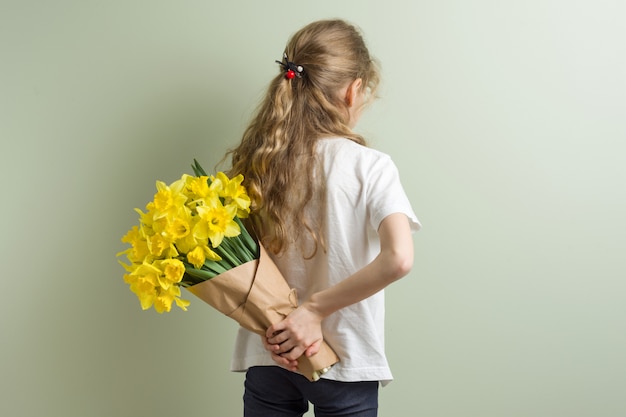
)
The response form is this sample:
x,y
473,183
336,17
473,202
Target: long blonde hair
x,y
277,151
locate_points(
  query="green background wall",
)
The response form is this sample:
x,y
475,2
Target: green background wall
x,y
506,120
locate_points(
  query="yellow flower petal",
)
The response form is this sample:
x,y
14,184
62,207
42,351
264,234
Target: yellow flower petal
x,y
196,257
183,304
146,300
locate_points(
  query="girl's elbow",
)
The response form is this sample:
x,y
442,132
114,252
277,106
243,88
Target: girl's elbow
x,y
405,267
401,265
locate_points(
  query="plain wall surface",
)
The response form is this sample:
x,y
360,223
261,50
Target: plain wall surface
x,y
506,120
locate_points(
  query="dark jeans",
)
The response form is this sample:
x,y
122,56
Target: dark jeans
x,y
271,391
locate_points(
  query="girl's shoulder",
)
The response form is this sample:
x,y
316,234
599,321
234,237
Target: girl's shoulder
x,y
347,161
346,148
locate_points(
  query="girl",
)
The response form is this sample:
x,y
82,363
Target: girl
x,y
336,220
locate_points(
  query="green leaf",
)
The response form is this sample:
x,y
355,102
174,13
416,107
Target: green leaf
x,y
247,239
229,256
197,169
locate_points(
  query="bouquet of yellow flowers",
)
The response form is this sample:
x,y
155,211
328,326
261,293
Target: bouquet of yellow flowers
x,y
192,236
190,232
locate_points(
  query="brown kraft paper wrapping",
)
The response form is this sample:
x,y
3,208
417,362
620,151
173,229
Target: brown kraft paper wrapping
x,y
256,295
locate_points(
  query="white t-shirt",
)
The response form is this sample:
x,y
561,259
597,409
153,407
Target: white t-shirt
x,y
363,187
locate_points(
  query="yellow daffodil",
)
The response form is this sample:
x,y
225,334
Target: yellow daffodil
x,y
178,227
169,198
234,192
190,241
218,222
171,272
144,281
199,187
157,245
200,254
139,246
163,301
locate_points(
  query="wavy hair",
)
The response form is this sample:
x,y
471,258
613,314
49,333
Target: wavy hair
x,y
277,152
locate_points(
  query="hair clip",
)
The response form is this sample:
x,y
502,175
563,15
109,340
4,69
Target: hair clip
x,y
291,70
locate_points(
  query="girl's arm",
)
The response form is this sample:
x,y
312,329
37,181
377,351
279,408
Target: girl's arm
x,y
301,332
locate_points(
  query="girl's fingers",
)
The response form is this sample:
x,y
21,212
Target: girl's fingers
x,y
278,338
313,349
292,365
293,353
274,329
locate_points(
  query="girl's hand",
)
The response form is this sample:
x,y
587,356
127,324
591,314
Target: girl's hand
x,y
299,333
292,365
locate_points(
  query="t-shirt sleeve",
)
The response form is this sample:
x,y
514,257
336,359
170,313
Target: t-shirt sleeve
x,y
385,194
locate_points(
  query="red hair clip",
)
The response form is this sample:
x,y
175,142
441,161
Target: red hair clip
x,y
291,70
